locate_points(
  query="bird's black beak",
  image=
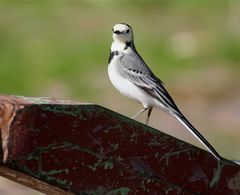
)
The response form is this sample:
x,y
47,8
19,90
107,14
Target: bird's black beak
x,y
117,32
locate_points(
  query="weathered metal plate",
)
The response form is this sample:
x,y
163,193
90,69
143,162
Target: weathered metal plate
x,y
87,149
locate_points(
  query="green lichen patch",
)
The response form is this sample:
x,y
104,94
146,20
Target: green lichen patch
x,y
216,174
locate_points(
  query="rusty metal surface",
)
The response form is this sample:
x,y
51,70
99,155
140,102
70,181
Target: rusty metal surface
x,y
30,181
87,149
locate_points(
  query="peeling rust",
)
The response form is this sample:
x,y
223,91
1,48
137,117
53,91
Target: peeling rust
x,y
8,110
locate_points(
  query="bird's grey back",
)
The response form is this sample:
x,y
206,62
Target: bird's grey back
x,y
134,64
132,67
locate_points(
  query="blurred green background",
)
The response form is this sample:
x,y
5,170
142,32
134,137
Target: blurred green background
x,y
60,49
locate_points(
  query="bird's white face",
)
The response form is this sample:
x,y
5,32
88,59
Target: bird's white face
x,y
122,33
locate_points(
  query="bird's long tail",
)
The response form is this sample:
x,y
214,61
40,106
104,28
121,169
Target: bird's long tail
x,y
198,135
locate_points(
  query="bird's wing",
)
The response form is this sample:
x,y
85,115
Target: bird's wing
x,y
135,70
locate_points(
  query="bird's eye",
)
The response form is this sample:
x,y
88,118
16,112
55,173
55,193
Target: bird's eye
x,y
127,31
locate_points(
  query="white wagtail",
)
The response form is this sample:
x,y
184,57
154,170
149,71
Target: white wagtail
x,y
132,77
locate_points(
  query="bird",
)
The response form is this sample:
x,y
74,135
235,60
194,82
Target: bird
x,y
131,76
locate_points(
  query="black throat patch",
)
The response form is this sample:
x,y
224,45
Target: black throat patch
x,y
128,44
112,54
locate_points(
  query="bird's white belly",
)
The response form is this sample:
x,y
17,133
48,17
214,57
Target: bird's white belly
x,y
128,89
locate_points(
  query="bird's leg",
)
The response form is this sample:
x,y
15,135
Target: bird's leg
x,y
148,115
140,112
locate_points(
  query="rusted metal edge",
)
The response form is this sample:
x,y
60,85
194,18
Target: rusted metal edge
x,y
43,100
8,109
10,105
31,182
